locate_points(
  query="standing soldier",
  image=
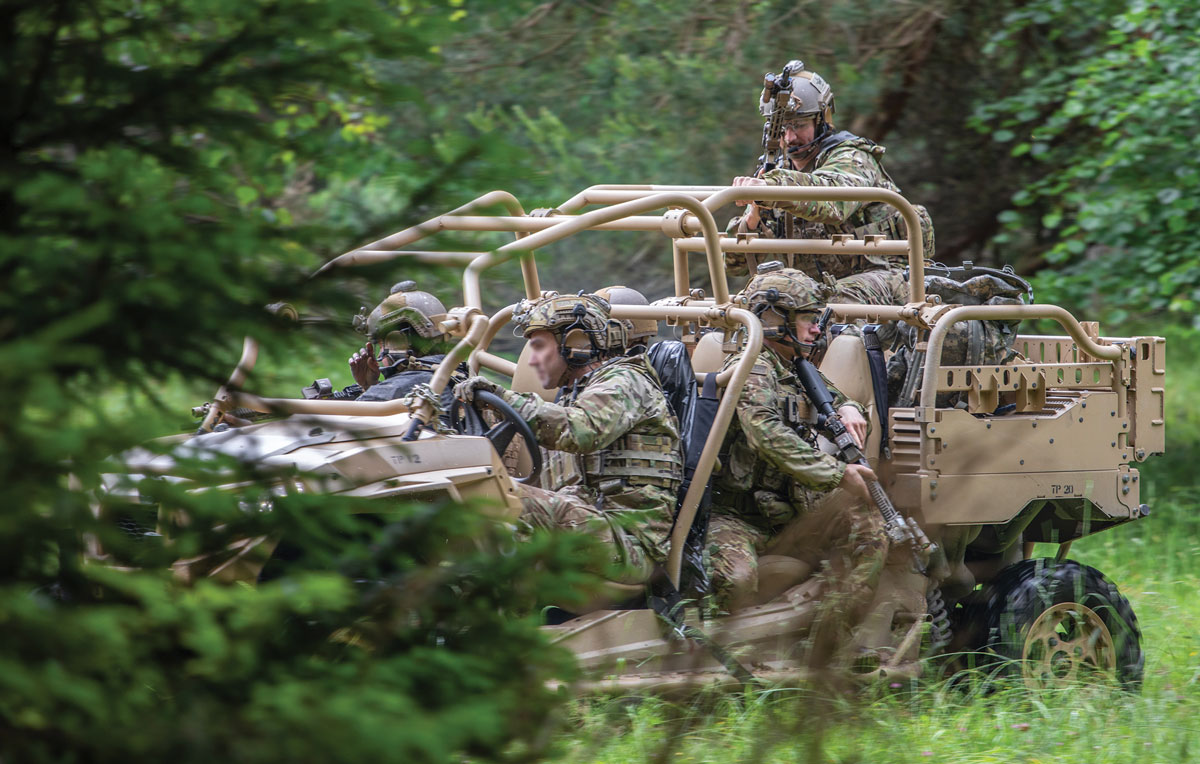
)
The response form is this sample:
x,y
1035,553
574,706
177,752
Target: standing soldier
x,y
620,465
801,104
772,472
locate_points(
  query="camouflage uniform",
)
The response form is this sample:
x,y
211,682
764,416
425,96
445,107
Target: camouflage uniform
x,y
615,463
847,161
771,471
772,474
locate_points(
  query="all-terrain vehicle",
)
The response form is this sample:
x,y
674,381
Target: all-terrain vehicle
x,y
1038,449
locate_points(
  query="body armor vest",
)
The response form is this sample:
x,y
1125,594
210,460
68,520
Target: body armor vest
x,y
631,461
752,486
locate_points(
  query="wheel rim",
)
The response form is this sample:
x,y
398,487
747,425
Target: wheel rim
x,y
1068,642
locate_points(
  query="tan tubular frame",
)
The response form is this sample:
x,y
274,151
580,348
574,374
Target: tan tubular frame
x,y
948,317
615,192
563,227
998,312
708,456
715,197
912,221
384,249
226,395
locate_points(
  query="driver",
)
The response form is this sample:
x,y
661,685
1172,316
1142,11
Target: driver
x,y
406,327
619,440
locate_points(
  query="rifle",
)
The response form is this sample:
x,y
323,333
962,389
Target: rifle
x,y
322,389
899,530
777,89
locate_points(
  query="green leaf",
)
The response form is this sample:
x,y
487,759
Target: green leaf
x,y
246,195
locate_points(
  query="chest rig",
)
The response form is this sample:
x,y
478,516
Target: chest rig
x,y
872,219
633,460
748,483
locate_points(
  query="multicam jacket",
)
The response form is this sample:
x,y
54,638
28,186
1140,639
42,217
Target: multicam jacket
x,y
771,468
846,161
619,422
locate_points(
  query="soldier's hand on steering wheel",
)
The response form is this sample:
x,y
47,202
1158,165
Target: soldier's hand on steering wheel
x,y
465,390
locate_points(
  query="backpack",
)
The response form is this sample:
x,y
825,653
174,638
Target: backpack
x,y
967,343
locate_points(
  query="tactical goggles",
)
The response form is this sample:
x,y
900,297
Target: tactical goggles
x,y
798,123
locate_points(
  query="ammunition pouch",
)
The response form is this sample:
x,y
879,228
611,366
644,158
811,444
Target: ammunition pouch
x,y
561,470
797,414
635,460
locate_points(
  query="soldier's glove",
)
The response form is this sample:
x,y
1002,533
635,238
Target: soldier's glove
x,y
465,390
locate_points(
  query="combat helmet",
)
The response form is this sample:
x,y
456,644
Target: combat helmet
x,y
639,330
405,314
582,324
798,93
785,291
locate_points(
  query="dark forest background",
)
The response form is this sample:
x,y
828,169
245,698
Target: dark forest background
x,y
169,167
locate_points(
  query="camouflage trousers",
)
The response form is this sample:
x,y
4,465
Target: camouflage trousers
x,y
845,538
882,286
733,549
631,559
857,553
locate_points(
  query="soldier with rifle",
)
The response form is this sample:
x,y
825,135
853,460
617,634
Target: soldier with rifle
x,y
772,474
801,147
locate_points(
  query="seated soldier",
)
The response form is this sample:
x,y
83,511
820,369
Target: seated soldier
x,y
611,422
772,472
411,345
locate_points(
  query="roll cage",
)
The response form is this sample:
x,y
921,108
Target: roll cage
x,y
685,215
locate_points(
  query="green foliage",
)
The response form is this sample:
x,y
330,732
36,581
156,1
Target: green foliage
x,y
167,168
932,720
406,647
1106,109
649,92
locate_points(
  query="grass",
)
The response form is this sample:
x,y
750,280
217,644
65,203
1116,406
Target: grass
x,y
931,721
1153,561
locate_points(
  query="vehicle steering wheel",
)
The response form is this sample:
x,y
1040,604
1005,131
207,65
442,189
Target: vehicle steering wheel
x,y
468,420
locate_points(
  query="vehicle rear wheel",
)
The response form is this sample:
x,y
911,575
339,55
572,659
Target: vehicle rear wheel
x,y
1062,622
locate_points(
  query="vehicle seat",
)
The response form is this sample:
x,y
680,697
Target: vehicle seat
x,y
609,595
777,573
846,366
671,363
709,355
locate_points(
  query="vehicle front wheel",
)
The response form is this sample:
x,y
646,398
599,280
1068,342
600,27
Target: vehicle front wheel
x,y
1062,622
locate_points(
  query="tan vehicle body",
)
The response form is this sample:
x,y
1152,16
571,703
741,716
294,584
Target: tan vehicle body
x,y
984,488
